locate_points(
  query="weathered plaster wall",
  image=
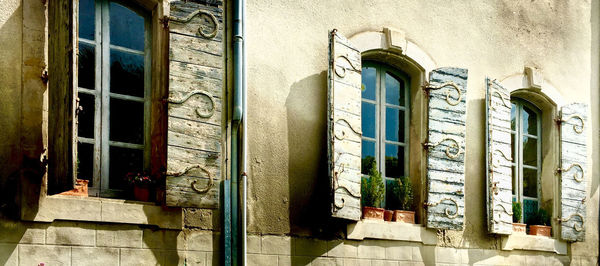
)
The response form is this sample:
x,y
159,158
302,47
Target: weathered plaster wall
x,y
287,62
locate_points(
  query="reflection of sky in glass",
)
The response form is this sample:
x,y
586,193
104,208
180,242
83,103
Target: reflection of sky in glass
x,y
87,19
513,114
367,156
368,83
529,121
394,90
126,27
368,120
394,124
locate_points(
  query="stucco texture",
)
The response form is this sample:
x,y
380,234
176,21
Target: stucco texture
x,y
287,64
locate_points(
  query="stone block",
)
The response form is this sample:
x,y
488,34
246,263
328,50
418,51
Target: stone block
x,y
126,236
141,257
302,260
260,259
50,255
253,244
213,258
357,262
22,232
276,245
384,263
163,239
344,249
202,240
64,208
447,255
200,218
371,249
324,261
284,260
137,213
309,247
396,251
94,256
71,233
9,254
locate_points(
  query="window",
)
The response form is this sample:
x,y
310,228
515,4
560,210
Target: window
x,y
113,94
385,123
526,148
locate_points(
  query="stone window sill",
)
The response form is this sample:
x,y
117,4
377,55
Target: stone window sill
x,y
92,209
537,243
391,231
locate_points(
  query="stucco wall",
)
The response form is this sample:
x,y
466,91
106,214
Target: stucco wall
x,y
287,62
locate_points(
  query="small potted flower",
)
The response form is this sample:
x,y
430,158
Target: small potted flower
x,y
518,228
141,183
540,223
372,194
403,193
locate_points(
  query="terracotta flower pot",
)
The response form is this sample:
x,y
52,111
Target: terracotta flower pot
x,y
519,228
404,216
540,230
141,193
387,215
373,213
81,189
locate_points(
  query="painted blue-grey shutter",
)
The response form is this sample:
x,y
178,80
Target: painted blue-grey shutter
x,y
344,127
194,106
445,146
573,170
499,172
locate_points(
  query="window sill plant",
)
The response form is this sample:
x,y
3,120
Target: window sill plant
x,y
403,194
142,184
372,194
81,189
518,228
540,224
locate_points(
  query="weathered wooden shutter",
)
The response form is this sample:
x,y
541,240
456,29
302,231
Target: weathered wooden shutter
x,y
195,92
498,150
445,147
573,170
344,127
61,95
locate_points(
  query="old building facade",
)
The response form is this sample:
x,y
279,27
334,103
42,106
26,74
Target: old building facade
x,y
258,123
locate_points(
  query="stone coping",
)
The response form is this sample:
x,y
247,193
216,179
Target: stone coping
x,y
93,209
531,242
391,231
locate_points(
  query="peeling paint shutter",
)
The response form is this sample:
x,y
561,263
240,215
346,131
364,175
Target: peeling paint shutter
x,y
447,90
194,105
573,171
344,126
499,150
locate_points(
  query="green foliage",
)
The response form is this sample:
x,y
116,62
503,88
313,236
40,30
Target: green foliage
x,y
372,188
540,217
403,194
517,211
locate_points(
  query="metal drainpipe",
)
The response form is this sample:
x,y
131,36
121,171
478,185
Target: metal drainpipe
x,y
244,138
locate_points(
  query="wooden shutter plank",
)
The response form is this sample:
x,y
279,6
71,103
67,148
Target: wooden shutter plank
x,y
194,131
573,137
344,127
499,152
445,148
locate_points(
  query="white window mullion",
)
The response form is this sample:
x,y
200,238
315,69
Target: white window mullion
x,y
97,167
147,91
105,94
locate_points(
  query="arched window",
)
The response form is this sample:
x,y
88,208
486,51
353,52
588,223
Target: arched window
x,y
526,132
385,123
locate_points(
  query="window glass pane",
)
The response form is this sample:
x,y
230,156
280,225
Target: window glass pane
x,y
529,121
514,180
85,118
87,19
126,27
513,114
126,121
391,202
394,124
85,162
368,83
367,156
86,66
394,90
394,160
530,182
529,208
126,73
514,147
122,161
368,120
529,151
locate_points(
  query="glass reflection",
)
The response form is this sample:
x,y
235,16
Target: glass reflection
x,y
123,161
368,83
368,119
87,19
367,156
85,117
126,121
126,27
529,151
85,162
86,72
394,90
127,73
530,182
529,121
394,124
394,160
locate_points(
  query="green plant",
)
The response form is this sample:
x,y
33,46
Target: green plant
x,y
540,217
517,211
403,193
372,188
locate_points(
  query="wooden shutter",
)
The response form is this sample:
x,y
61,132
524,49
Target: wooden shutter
x,y
344,127
499,152
573,171
61,95
194,106
445,147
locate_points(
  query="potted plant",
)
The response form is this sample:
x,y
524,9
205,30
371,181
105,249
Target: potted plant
x,y
372,194
142,184
518,227
540,223
403,194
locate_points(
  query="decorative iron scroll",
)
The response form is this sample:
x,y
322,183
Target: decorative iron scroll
x,y
344,132
496,161
429,86
338,187
575,127
454,145
189,17
576,226
187,169
503,209
447,210
198,112
343,74
562,170
501,98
